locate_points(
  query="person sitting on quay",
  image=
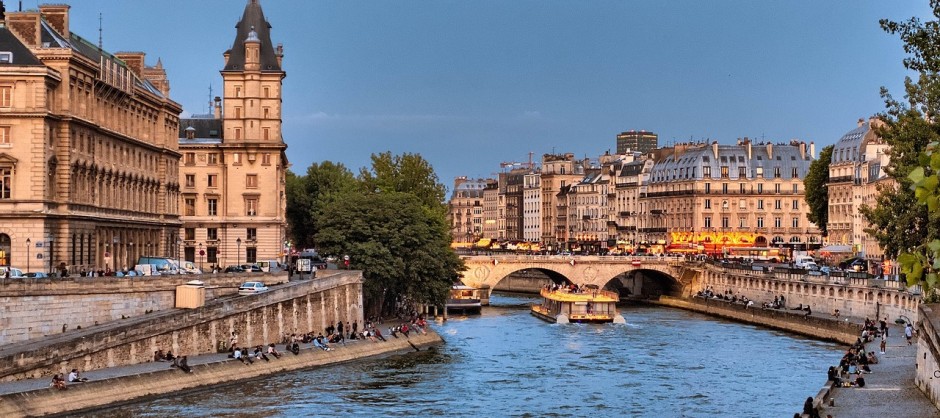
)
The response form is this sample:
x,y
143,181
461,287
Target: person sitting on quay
x,y
859,381
836,313
184,365
75,378
294,347
833,375
809,311
320,343
809,409
58,382
158,355
273,351
404,329
169,356
378,333
872,359
367,334
259,353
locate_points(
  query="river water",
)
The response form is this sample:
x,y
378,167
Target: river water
x,y
504,362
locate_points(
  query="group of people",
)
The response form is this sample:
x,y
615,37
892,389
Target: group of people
x,y
58,382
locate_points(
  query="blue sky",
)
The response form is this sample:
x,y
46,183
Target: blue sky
x,y
469,84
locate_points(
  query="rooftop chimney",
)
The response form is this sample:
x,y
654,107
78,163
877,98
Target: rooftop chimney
x,y
134,61
25,25
812,150
57,15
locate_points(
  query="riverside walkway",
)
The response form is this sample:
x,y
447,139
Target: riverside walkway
x,y
889,390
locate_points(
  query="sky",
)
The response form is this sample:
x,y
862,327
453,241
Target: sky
x,y
471,84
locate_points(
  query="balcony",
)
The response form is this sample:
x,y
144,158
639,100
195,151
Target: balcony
x,y
653,230
625,214
671,193
611,223
840,179
657,211
626,228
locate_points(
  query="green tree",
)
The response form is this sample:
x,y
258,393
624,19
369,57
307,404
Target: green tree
x,y
305,194
817,195
407,173
401,246
911,231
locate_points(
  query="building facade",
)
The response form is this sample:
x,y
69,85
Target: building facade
x,y
466,211
639,141
559,172
88,153
234,162
532,206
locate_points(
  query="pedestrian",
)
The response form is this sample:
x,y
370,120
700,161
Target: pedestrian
x,y
232,342
884,342
908,332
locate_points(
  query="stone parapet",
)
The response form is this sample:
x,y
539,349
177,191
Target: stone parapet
x,y
927,377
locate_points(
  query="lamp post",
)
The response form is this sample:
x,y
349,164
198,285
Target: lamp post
x,y
179,255
200,254
238,250
28,242
130,249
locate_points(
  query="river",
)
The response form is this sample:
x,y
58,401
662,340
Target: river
x,y
504,362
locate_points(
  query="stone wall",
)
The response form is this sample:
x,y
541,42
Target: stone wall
x,y
927,377
74,302
852,296
116,391
295,307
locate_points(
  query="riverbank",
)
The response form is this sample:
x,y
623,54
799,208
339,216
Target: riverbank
x,y
118,385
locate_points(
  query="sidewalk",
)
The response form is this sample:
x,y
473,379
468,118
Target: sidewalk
x,y
889,390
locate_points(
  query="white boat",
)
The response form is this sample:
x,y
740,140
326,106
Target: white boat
x,y
464,299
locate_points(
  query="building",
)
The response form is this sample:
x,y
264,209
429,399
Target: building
x,y
234,161
491,214
466,210
640,141
711,196
559,172
88,153
532,205
588,212
855,171
630,182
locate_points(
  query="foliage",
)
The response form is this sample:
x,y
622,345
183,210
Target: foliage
x,y
817,196
401,247
305,194
408,173
911,231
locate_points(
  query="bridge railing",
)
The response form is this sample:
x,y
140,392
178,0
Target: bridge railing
x,y
582,258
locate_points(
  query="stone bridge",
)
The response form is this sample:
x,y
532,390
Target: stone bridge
x,y
671,274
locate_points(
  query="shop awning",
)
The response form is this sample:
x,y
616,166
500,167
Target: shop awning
x,y
836,249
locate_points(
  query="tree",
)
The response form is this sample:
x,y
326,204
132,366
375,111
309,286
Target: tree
x,y
911,231
401,246
305,194
817,195
407,173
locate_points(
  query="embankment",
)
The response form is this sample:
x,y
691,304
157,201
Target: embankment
x,y
821,328
115,391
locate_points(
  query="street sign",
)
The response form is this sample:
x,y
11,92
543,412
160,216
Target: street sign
x,y
202,252
303,265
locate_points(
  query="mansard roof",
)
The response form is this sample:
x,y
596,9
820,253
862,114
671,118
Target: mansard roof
x,y
253,17
689,164
21,55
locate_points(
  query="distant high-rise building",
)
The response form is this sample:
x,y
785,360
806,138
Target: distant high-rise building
x,y
641,141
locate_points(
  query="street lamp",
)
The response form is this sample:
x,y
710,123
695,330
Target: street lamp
x,y
130,249
179,255
200,254
238,250
28,242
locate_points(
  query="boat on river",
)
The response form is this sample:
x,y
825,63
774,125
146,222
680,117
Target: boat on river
x,y
465,299
593,306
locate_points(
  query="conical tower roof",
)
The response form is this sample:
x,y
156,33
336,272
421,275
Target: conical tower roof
x,y
252,19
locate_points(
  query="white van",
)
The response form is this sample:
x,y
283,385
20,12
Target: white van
x,y
804,262
270,266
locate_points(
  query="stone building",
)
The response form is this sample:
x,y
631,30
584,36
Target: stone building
x,y
532,205
491,214
559,172
233,170
856,170
636,141
465,210
88,153
630,182
715,196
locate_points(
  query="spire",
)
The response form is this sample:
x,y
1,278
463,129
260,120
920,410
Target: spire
x,y
252,27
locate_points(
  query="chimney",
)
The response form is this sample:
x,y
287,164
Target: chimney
x,y
134,61
715,148
812,150
861,122
25,25
217,112
57,15
802,150
280,53
747,142
770,150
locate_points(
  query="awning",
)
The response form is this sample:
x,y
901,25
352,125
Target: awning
x,y
832,249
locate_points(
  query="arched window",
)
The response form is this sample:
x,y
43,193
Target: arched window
x,y
5,249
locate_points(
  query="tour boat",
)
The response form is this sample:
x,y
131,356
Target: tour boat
x,y
464,299
593,306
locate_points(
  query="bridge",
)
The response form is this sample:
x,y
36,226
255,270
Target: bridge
x,y
646,275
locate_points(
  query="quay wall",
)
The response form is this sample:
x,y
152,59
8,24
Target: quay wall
x,y
116,391
853,296
821,328
927,375
295,307
522,283
68,303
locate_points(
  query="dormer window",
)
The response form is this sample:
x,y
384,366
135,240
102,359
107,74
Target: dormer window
x,y
6,57
190,133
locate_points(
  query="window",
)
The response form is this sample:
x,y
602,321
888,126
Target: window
x,y
708,188
251,206
777,222
724,171
708,203
212,255
236,158
190,234
238,133
264,112
264,133
742,204
213,180
707,171
794,174
190,204
777,188
267,92
777,172
265,159
760,171
760,222
760,204
796,203
190,158
238,112
251,181
796,188
213,207
252,234
6,182
741,188
6,96
5,138
251,255
212,234
742,222
760,188
6,57
708,221
796,222
724,188
778,204
742,172
213,159
725,222
190,180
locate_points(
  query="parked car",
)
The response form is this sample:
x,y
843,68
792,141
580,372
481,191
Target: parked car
x,y
251,268
188,267
164,265
270,266
234,269
252,288
14,272
36,275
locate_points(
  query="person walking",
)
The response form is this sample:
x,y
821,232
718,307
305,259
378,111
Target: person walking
x,y
884,342
909,332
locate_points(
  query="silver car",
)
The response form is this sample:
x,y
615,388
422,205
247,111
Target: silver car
x,y
252,288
